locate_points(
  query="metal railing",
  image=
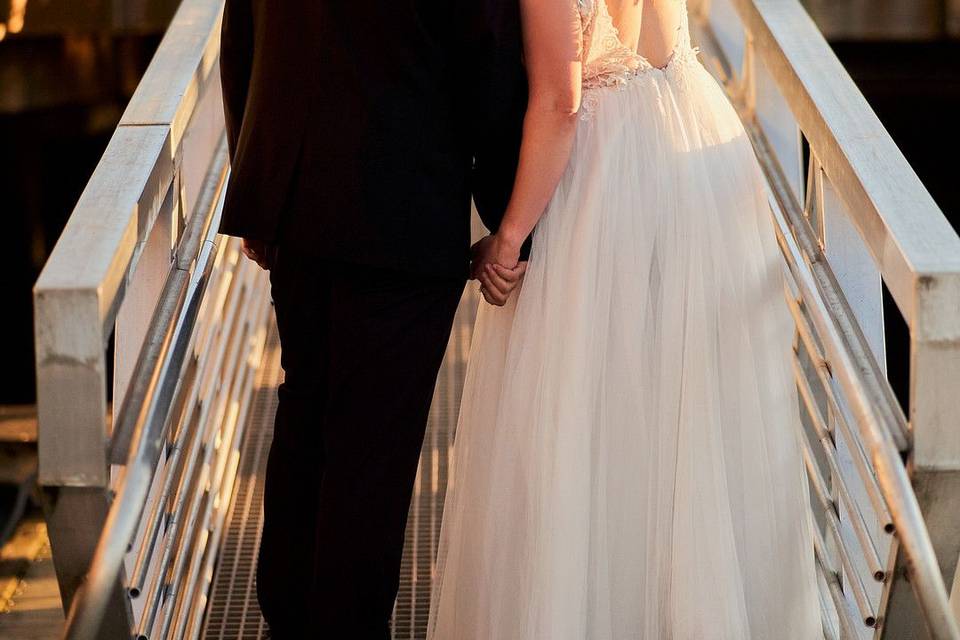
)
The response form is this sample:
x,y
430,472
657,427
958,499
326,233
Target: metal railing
x,y
137,491
851,214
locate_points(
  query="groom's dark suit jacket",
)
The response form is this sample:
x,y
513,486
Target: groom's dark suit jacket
x,y
358,129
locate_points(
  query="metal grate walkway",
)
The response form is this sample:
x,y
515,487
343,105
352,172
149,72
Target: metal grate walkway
x,y
232,610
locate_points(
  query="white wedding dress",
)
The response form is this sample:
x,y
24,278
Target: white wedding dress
x,y
627,462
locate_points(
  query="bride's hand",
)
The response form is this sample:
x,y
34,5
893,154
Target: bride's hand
x,y
498,282
496,264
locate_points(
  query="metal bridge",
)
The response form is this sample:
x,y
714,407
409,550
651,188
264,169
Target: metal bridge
x,y
157,356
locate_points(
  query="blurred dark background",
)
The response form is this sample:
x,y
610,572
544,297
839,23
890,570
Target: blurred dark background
x,y
67,70
68,67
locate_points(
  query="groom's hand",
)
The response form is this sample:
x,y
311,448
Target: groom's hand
x,y
497,282
258,251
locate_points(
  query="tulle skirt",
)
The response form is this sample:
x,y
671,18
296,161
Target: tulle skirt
x,y
627,463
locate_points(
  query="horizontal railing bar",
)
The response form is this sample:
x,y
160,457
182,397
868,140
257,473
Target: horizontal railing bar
x,y
162,323
149,542
229,444
892,476
826,623
867,614
187,391
154,599
820,364
867,547
813,471
228,486
848,627
858,455
869,550
184,440
156,348
197,495
201,436
158,511
184,495
867,389
209,562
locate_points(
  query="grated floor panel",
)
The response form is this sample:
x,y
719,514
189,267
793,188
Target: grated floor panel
x,y
232,610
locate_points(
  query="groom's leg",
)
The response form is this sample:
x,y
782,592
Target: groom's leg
x,y
388,333
300,291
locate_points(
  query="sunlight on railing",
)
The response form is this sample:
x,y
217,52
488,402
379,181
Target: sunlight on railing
x,y
851,216
850,213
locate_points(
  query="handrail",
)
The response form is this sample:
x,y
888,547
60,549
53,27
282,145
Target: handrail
x,y
140,264
773,61
147,221
902,226
891,472
145,413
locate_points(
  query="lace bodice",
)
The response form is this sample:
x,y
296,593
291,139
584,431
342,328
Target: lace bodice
x,y
607,61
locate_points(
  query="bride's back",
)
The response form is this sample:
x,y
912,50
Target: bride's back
x,y
648,26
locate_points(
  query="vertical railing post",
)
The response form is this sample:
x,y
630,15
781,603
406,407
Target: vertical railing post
x,y
935,423
72,411
77,300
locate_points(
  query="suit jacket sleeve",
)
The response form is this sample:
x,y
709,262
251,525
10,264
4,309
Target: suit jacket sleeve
x,y
236,63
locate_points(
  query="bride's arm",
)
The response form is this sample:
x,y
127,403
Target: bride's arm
x,y
552,43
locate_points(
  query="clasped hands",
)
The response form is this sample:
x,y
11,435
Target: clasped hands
x,y
495,262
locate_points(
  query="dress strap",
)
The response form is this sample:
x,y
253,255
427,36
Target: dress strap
x,y
683,38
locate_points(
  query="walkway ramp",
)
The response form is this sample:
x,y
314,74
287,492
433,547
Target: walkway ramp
x,y
150,458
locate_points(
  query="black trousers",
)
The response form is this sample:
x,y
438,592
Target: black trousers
x,y
361,348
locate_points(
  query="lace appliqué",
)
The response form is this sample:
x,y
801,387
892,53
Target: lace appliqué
x,y
609,63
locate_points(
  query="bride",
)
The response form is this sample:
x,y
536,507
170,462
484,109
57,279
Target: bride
x,y
627,460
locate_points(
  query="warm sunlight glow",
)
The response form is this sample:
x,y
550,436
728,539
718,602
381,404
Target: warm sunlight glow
x,y
18,11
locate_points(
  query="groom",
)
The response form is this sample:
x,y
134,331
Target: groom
x,y
358,131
